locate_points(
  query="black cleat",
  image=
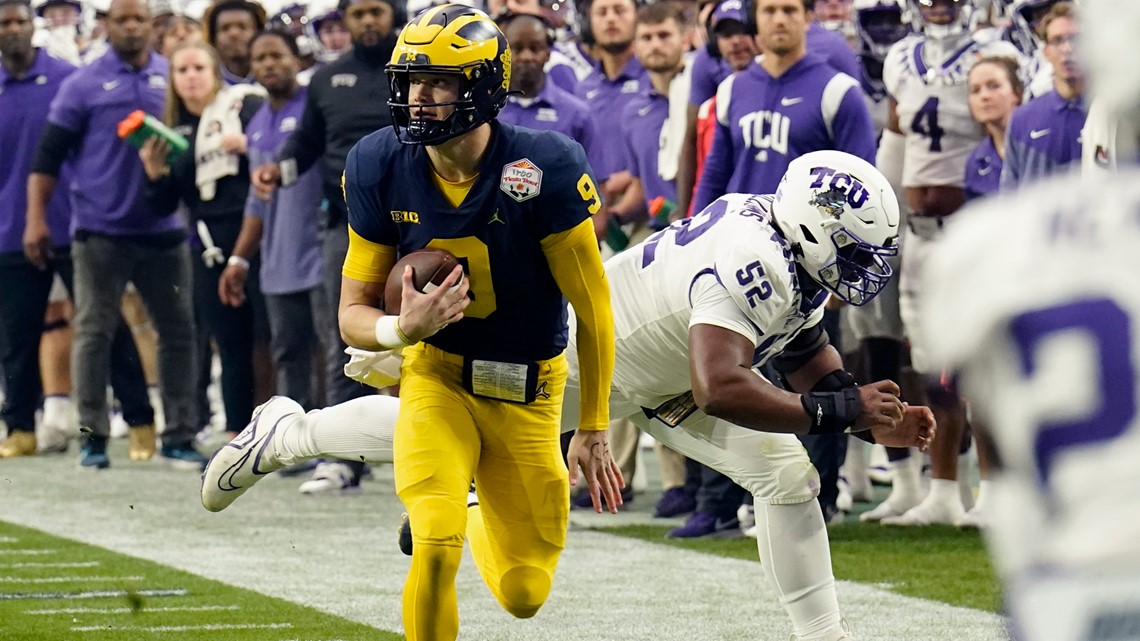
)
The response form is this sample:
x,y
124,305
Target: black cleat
x,y
405,536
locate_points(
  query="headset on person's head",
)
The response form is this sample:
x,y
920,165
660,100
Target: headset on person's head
x,y
746,8
506,16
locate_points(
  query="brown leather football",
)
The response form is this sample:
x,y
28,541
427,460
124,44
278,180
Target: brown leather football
x,y
429,266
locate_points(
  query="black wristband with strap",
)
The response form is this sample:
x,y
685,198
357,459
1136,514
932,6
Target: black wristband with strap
x,y
833,404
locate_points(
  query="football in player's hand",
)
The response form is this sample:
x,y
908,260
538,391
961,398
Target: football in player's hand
x,y
430,267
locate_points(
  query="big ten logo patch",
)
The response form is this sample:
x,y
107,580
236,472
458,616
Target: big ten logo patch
x,y
521,180
839,189
766,131
405,217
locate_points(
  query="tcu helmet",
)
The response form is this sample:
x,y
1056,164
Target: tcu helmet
x,y
959,13
879,25
1023,23
454,40
842,219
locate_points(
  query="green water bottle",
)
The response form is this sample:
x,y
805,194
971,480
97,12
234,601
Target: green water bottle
x,y
616,238
139,126
661,209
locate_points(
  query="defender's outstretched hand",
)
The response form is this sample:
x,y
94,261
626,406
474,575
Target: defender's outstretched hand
x,y
916,429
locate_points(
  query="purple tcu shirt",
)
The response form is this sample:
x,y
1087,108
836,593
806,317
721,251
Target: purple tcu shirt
x,y
706,75
1043,136
23,112
643,119
833,48
983,170
290,241
106,193
763,123
555,109
607,99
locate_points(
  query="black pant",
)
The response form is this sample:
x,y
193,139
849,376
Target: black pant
x,y
233,329
22,306
717,494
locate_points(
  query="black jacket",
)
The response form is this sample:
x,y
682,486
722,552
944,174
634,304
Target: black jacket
x,y
348,99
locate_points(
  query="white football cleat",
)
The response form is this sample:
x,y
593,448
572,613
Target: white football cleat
x,y
237,465
329,477
931,511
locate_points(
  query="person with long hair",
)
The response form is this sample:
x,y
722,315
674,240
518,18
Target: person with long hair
x,y
212,180
995,90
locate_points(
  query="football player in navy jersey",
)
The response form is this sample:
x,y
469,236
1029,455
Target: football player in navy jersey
x,y
484,365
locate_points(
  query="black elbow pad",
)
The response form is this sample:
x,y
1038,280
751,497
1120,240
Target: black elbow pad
x,y
801,349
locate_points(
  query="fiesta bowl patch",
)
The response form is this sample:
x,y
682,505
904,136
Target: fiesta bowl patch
x,y
521,180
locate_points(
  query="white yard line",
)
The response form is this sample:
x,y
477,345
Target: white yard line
x,y
184,628
72,579
94,594
182,608
60,564
39,552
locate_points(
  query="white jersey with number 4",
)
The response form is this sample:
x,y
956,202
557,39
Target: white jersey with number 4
x,y
727,266
933,107
1042,322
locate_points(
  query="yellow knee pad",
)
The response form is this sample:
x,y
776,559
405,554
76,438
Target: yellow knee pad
x,y
524,589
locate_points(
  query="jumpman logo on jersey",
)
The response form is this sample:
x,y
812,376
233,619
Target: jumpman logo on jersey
x,y
541,392
495,218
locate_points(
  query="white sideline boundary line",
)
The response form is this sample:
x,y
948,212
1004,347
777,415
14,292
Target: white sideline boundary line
x,y
9,539
175,608
184,628
36,552
61,564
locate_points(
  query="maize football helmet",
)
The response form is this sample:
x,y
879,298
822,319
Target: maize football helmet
x,y
452,39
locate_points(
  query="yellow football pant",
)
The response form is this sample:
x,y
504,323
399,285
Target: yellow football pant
x,y
446,436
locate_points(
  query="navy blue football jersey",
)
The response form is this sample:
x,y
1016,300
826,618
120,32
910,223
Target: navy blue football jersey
x,y
531,184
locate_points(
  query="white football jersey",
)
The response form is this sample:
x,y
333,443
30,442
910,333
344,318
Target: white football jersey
x,y
727,266
1042,323
933,106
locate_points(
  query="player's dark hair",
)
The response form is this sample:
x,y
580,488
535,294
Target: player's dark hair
x,y
285,37
661,12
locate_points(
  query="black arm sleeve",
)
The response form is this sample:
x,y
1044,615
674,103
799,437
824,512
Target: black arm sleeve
x,y
54,146
802,349
307,144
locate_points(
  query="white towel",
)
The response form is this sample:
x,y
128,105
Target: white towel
x,y
219,119
673,131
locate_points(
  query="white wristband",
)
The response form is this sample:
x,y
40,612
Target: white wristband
x,y
239,261
388,332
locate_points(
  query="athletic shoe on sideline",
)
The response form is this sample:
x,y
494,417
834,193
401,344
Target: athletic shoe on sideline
x,y
237,465
331,477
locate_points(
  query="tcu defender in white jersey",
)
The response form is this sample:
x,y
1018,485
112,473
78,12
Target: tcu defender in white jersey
x,y
697,306
1044,334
